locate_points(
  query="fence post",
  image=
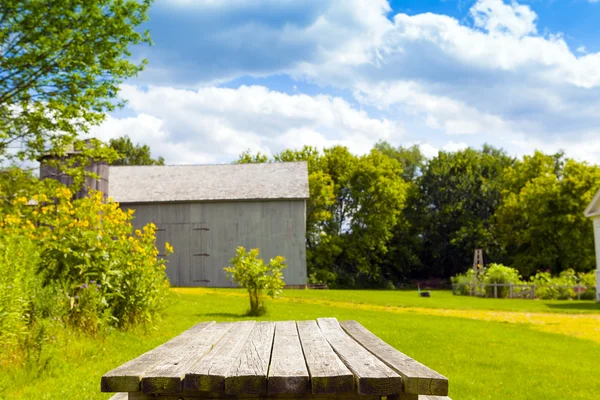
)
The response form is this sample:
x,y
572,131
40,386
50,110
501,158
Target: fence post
x,y
533,291
511,291
495,290
470,289
578,292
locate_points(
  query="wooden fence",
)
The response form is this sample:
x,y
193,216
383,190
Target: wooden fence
x,y
515,291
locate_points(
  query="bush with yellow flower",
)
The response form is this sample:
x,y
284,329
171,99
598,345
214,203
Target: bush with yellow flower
x,y
102,271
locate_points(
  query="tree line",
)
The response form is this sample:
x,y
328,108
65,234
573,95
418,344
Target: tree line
x,y
392,215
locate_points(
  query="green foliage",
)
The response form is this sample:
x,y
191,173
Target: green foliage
x,y
18,260
411,159
458,195
85,240
88,240
61,65
391,215
402,259
248,158
500,274
547,287
368,197
561,287
540,221
133,154
589,282
249,271
87,310
321,188
462,284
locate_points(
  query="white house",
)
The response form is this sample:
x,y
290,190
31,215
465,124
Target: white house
x,y
593,212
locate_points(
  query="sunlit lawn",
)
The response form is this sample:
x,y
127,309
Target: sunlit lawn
x,y
445,299
482,359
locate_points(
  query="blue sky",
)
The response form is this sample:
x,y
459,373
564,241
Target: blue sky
x,y
229,75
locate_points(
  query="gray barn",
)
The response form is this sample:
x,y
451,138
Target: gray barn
x,y
206,211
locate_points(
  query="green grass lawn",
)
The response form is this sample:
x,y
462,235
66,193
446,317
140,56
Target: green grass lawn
x,y
483,360
445,299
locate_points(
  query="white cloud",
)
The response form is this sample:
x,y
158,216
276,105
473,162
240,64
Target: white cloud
x,y
455,146
441,39
497,79
586,148
428,150
496,17
438,112
217,41
491,77
217,124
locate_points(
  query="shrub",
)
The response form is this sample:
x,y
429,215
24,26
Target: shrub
x,y
500,274
560,287
589,281
86,309
249,271
461,283
88,240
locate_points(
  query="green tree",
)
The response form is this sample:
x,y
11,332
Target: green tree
x,y
378,193
354,204
459,193
403,257
369,196
133,154
540,222
15,182
61,65
249,271
248,158
321,196
411,159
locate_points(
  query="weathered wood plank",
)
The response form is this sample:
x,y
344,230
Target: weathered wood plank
x,y
287,372
328,374
167,376
404,396
119,396
372,375
205,396
423,397
208,375
417,378
248,375
128,376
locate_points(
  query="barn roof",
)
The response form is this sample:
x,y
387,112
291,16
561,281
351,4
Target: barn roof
x,y
174,183
593,209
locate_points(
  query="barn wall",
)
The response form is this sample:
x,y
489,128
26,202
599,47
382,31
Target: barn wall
x,y
205,236
597,241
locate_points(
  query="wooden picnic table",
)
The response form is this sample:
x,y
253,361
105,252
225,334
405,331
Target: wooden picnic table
x,y
323,359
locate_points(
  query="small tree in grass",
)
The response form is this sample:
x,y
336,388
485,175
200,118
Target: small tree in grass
x,y
249,271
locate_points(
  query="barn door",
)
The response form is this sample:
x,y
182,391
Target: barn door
x,y
163,235
199,272
177,236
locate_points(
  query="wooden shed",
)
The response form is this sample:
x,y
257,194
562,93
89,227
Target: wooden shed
x,y
206,211
593,212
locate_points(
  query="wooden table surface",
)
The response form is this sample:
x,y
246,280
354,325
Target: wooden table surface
x,y
304,359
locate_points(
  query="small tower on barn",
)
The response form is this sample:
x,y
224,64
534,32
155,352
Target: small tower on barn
x,y
593,212
96,167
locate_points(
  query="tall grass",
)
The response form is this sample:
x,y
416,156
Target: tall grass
x,y
19,259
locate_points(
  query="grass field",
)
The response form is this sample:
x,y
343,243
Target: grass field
x,y
489,349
